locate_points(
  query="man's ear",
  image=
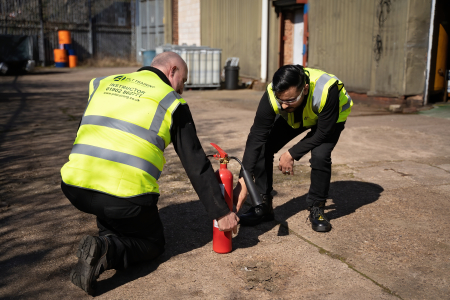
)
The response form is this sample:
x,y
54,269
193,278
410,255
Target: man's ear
x,y
306,91
173,69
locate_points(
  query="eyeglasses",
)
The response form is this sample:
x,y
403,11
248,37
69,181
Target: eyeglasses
x,y
291,101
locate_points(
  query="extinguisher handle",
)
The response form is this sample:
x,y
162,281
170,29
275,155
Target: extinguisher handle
x,y
251,187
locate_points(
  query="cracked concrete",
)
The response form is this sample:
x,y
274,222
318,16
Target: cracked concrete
x,y
388,202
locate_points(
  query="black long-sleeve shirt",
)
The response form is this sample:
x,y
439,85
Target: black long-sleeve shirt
x,y
265,118
197,165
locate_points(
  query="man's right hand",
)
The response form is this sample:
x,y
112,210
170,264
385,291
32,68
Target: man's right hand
x,y
240,194
229,222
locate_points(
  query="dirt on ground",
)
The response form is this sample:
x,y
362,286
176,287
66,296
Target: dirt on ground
x,y
388,201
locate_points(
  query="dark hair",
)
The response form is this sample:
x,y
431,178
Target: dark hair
x,y
288,76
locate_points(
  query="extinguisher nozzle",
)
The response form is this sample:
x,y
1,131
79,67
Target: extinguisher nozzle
x,y
251,187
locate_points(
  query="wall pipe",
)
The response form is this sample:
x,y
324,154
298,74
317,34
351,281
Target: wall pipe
x,y
90,33
41,41
430,46
264,39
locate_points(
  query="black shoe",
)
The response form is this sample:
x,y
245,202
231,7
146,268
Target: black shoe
x,y
91,262
317,217
258,214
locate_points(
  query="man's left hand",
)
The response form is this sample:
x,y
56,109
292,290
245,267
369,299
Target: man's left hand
x,y
286,165
229,222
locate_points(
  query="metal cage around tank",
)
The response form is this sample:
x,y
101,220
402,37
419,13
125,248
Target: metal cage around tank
x,y
203,64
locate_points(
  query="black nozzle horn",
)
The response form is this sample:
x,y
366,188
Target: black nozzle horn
x,y
251,187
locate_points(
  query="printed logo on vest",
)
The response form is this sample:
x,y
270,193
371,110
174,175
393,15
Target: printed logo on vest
x,y
306,118
120,78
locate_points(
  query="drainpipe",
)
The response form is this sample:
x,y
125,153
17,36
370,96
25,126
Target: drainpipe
x,y
264,39
41,41
90,32
430,46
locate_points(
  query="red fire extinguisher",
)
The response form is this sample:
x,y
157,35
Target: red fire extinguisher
x,y
222,240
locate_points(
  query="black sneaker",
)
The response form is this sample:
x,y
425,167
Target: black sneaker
x,y
319,221
258,214
91,262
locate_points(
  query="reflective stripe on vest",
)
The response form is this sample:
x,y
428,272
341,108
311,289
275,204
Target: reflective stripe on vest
x,y
119,157
315,101
318,91
119,149
150,135
95,84
348,104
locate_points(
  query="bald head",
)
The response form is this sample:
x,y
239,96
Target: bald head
x,y
167,59
174,67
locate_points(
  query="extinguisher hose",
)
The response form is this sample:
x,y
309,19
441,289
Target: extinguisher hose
x,y
251,187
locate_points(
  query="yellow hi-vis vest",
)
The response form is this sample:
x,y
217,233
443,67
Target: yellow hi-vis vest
x,y
320,84
119,148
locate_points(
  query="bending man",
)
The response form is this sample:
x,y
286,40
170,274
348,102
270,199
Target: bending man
x,y
298,99
117,158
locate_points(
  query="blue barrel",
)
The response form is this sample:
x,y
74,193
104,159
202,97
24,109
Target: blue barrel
x,y
148,56
60,64
71,52
65,46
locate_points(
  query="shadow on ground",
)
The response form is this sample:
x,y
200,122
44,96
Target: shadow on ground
x,y
186,229
346,198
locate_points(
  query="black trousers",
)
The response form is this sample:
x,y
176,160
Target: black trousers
x,y
279,136
135,230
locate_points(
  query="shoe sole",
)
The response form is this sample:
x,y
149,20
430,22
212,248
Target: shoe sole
x,y
321,228
88,253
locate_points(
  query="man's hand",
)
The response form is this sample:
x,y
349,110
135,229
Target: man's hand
x,y
240,194
228,222
286,165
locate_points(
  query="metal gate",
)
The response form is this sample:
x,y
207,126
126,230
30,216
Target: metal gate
x,y
149,26
99,28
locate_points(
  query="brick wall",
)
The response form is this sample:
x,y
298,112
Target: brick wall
x,y
189,22
288,38
175,22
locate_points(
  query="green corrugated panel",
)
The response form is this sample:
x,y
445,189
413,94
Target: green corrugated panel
x,y
235,27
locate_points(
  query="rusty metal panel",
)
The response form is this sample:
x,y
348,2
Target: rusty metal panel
x,y
388,63
341,40
417,46
377,46
235,27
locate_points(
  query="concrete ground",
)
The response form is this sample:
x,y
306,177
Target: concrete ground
x,y
389,203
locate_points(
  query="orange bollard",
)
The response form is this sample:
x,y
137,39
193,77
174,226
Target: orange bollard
x,y
60,58
73,59
64,37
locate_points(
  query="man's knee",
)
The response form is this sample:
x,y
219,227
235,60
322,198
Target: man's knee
x,y
320,161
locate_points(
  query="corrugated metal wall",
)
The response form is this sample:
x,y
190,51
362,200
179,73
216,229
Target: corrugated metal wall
x,y
274,42
417,46
341,40
112,24
376,47
151,22
389,61
235,27
168,21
